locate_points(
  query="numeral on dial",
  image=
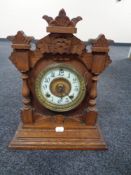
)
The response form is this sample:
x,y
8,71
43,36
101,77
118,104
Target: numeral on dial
x,y
45,86
59,100
47,95
47,80
71,96
67,100
52,99
68,75
52,74
74,80
61,72
76,88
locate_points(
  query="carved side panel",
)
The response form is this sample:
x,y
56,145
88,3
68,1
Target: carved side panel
x,y
101,59
20,58
21,48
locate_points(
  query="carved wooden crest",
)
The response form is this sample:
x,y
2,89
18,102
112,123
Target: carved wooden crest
x,y
62,23
62,43
62,20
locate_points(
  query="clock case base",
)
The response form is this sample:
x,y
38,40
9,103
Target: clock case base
x,y
87,138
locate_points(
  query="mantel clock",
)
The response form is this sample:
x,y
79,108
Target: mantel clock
x,y
59,87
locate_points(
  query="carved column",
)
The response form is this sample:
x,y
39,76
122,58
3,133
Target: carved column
x,y
20,57
93,94
25,91
100,61
26,112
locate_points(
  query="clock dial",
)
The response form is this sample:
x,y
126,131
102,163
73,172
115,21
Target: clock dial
x,y
60,88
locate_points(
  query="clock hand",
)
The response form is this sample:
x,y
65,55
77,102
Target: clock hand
x,y
69,96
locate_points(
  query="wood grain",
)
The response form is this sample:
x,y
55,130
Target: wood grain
x,y
37,130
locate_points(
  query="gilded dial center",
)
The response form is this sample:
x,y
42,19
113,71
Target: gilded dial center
x,y
60,87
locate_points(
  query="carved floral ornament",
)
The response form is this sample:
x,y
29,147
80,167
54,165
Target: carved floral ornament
x,y
58,44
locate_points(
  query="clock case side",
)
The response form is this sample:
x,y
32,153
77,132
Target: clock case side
x,y
21,45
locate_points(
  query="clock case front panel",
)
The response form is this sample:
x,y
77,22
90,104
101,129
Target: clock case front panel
x,y
38,127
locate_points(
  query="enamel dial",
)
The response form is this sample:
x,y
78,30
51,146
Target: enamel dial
x,y
60,88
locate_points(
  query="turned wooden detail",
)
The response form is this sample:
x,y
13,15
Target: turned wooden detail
x,y
26,92
93,94
59,46
27,111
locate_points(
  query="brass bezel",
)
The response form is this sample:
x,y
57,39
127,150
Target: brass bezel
x,y
55,107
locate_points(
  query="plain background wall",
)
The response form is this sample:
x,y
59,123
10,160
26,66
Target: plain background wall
x,y
109,17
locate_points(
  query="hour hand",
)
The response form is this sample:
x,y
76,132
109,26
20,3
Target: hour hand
x,y
71,96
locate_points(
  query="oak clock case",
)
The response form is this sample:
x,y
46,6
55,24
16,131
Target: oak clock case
x,y
59,88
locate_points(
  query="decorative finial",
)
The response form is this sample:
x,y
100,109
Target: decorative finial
x,y
101,41
101,44
62,21
76,20
62,13
47,18
20,38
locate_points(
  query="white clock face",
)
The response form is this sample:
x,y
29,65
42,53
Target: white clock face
x,y
61,76
61,88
